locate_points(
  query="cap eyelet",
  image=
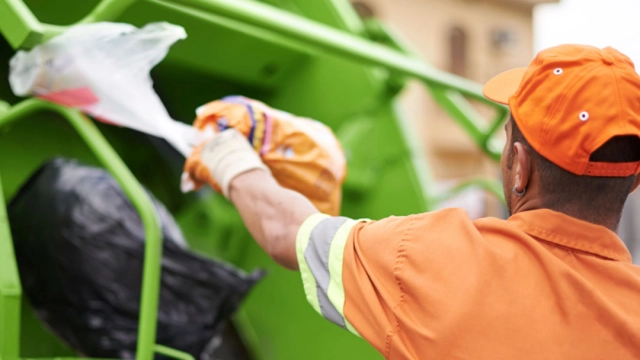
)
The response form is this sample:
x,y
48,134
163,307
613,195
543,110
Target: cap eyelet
x,y
558,71
584,116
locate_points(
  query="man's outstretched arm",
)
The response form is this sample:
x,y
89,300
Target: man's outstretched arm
x,y
272,213
346,265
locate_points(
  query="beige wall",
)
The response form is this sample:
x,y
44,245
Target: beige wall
x,y
426,25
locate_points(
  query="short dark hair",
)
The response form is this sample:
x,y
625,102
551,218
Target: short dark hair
x,y
591,196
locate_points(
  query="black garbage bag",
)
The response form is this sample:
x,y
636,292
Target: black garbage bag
x,y
79,245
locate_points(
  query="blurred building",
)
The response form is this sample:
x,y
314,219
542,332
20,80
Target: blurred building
x,y
476,39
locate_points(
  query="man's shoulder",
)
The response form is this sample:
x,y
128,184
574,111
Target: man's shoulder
x,y
449,222
447,214
444,217
452,218
452,224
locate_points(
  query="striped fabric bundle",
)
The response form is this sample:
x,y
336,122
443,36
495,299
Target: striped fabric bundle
x,y
302,154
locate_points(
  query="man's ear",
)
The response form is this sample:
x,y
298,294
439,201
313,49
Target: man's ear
x,y
635,184
522,166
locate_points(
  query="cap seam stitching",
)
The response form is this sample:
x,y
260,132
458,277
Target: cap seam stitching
x,y
615,75
556,108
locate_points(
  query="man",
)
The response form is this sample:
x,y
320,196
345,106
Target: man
x,y
551,282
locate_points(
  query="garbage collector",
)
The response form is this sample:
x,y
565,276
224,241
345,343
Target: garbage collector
x,y
553,281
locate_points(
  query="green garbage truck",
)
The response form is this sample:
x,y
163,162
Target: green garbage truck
x,y
314,58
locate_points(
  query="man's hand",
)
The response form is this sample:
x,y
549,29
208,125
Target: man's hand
x,y
272,213
218,161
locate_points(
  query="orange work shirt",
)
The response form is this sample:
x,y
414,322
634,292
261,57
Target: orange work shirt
x,y
540,285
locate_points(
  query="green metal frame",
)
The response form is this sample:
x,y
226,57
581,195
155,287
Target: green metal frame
x,y
10,290
449,91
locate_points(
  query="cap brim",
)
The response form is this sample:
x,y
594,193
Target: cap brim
x,y
501,87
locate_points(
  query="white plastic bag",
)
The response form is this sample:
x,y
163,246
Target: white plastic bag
x,y
103,70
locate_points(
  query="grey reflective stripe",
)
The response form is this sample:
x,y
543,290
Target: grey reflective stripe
x,y
317,257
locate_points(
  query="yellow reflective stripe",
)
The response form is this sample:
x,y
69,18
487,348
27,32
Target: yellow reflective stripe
x,y
302,241
336,258
351,328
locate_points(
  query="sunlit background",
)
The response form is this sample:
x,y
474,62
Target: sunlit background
x,y
594,22
479,39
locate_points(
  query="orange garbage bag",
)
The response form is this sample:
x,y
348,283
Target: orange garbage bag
x,y
302,154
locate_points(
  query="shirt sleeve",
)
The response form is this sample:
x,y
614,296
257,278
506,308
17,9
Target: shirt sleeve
x,y
347,269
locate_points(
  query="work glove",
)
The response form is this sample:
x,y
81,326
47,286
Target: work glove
x,y
218,161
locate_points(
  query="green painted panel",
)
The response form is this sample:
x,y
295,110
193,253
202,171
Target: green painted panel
x,y
60,12
221,47
36,340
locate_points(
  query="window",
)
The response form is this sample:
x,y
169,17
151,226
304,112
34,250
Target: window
x,y
363,9
504,40
458,51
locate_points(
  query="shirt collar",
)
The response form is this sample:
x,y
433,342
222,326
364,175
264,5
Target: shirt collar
x,y
570,232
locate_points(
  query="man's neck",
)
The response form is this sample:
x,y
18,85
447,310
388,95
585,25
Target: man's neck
x,y
611,222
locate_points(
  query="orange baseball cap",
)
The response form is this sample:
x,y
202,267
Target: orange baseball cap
x,y
570,101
